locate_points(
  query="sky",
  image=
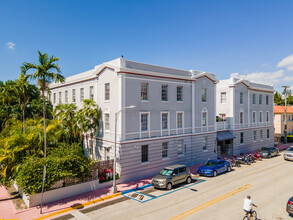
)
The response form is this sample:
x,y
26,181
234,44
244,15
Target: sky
x,y
248,39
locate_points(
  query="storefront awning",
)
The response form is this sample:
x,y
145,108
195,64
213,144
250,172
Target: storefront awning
x,y
224,135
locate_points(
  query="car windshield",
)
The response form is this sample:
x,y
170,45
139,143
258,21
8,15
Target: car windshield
x,y
290,149
264,148
166,172
211,163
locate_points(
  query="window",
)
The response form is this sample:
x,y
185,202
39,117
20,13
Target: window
x,y
267,100
182,169
253,117
73,95
107,121
261,135
268,117
179,120
60,98
144,153
179,93
180,147
254,135
260,99
268,133
144,91
164,149
81,94
204,119
144,121
204,95
241,97
253,99
223,97
205,143
54,98
107,91
260,116
241,118
66,96
241,138
91,92
164,121
164,92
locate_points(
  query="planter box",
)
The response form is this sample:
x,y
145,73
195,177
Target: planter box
x,y
62,193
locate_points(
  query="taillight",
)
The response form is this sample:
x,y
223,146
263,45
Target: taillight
x,y
289,202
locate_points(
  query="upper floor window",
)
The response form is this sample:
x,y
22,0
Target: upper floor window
x,y
144,91
54,98
164,92
204,118
81,94
241,97
91,92
241,117
260,116
253,117
223,97
144,121
205,144
60,97
267,100
260,99
144,153
253,99
164,121
204,95
66,96
107,121
268,117
180,147
164,149
179,120
107,91
73,95
179,93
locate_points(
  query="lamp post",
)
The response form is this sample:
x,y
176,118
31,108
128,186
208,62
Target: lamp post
x,y
114,187
285,121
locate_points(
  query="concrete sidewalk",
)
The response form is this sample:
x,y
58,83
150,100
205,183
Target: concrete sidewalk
x,y
8,211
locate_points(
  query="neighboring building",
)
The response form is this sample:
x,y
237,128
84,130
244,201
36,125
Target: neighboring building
x,y
246,110
174,120
279,121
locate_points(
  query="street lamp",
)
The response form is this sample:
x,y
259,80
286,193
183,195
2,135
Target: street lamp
x,y
114,187
285,122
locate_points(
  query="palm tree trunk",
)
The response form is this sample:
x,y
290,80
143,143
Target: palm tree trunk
x,y
23,119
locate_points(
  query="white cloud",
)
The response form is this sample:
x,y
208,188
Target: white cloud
x,y
10,45
269,78
286,62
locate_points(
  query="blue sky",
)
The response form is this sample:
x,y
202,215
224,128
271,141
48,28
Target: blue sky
x,y
251,39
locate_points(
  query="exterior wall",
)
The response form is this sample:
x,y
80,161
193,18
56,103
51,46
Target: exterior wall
x,y
241,88
223,108
279,123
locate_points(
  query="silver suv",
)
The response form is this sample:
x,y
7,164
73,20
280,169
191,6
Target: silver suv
x,y
171,176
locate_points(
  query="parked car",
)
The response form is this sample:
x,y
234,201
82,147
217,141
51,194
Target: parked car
x,y
171,176
268,152
288,154
289,208
214,167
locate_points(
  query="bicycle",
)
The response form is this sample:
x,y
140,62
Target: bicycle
x,y
248,216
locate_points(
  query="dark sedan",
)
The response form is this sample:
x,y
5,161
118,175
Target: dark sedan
x,y
289,208
268,152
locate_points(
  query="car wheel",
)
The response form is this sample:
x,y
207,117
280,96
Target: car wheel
x,y
215,173
188,180
228,169
169,186
270,156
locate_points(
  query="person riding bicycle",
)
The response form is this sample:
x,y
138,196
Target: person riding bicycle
x,y
247,206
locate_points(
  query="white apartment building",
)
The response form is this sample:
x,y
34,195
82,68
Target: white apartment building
x,y
247,113
174,119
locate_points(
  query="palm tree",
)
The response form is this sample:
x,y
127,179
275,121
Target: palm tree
x,y
46,71
22,91
7,95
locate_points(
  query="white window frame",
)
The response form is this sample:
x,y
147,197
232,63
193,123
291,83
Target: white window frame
x,y
260,115
204,110
148,159
267,99
260,99
204,93
81,94
166,92
181,94
165,150
148,125
254,99
205,144
106,130
178,112
223,97
60,98
107,92
54,97
147,92
241,98
241,123
74,95
254,136
254,119
91,91
180,142
66,96
261,135
268,116
168,121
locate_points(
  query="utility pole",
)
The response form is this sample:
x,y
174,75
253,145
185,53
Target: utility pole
x,y
285,121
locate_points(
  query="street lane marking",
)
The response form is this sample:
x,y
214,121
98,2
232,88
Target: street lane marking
x,y
207,204
79,206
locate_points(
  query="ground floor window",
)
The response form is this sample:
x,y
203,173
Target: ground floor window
x,y
254,135
241,138
164,149
268,133
180,147
260,135
205,144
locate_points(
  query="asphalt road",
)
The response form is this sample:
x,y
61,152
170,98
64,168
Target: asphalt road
x,y
268,182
